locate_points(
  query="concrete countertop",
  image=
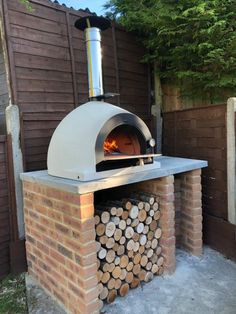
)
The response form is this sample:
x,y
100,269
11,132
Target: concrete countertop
x,y
169,166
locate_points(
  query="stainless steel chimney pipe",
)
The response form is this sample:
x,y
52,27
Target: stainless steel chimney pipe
x,y
92,26
94,60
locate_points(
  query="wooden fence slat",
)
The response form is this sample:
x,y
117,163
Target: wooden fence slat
x,y
37,23
45,97
38,49
41,74
39,36
39,62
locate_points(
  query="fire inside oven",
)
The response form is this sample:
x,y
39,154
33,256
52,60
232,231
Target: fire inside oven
x,y
124,146
123,140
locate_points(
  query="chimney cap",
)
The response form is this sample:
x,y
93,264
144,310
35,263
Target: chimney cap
x,y
92,21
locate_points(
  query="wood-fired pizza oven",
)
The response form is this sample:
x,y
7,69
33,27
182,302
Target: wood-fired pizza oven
x,y
97,139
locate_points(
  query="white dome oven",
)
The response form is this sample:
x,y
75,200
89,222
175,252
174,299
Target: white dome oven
x,y
97,139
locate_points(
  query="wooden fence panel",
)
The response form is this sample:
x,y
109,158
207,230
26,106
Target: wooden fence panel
x,y
133,75
4,210
40,46
38,129
201,134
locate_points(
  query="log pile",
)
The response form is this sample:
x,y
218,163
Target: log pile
x,y
127,235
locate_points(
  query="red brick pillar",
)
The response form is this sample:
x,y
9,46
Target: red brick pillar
x,y
61,248
164,188
191,212
177,185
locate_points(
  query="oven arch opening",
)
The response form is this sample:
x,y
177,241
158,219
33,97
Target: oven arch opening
x,y
124,140
124,135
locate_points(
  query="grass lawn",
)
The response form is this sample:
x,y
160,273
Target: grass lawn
x,y
13,295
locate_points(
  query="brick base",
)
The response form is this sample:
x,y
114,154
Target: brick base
x,y
60,235
60,244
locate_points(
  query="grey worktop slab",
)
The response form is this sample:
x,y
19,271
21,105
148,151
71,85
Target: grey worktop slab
x,y
169,166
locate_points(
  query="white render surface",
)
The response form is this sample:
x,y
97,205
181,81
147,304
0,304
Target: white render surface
x,y
70,154
169,166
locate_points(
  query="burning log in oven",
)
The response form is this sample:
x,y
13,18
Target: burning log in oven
x,y
110,147
128,236
123,142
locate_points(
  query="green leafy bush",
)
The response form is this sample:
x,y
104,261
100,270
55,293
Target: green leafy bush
x,y
13,295
192,41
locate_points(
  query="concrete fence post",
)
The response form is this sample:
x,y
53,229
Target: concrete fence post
x,y
230,128
13,128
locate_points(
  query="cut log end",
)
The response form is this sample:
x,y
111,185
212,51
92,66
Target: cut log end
x,y
124,289
112,294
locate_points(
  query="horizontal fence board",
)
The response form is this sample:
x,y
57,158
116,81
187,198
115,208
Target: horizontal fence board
x,y
38,49
44,86
27,107
45,97
37,23
40,62
42,116
39,36
37,150
43,133
40,125
40,74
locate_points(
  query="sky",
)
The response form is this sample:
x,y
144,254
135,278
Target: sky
x,y
93,5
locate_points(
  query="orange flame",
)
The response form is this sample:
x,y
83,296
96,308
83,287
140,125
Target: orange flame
x,y
110,146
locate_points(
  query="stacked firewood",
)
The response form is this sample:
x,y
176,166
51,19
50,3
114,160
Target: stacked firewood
x,y
127,234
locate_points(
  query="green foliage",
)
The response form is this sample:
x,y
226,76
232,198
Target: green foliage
x,y
191,40
27,4
13,295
